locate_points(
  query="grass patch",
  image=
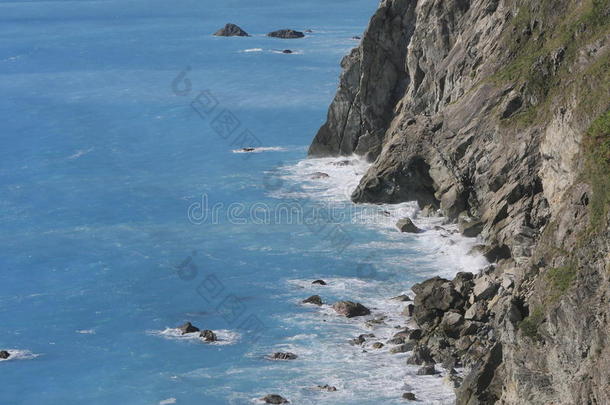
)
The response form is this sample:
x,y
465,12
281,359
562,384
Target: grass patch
x,y
597,170
559,279
529,325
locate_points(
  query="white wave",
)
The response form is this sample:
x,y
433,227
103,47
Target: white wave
x,y
168,401
80,153
252,50
16,354
86,331
225,336
261,149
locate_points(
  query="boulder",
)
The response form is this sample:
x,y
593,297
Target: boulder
x,y
477,312
406,225
421,355
409,310
463,283
409,396
319,282
429,211
208,336
415,334
231,30
286,34
397,340
427,369
401,298
287,51
188,328
377,345
283,356
484,288
314,299
350,309
319,175
433,297
468,226
248,149
274,399
326,387
4,354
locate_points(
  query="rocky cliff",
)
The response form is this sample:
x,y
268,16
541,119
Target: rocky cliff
x,y
496,112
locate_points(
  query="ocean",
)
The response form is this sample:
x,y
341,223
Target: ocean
x,y
128,208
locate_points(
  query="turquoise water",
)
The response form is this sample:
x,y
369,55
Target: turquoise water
x,y
125,212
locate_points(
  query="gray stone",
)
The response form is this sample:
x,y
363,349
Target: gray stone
x,y
4,354
407,226
231,30
286,34
427,369
188,328
283,356
350,309
314,299
274,399
208,336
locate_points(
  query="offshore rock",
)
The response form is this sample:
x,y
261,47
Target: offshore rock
x,y
231,30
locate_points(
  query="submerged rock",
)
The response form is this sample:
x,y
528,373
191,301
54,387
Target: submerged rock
x,y
287,51
274,399
406,225
350,309
361,339
377,345
409,396
4,354
314,299
319,282
188,328
319,175
248,149
208,336
326,387
286,34
283,356
231,30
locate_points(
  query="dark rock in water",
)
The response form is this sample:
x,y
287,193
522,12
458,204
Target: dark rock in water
x,y
415,334
421,355
361,339
409,396
287,51
308,31
350,309
399,340
377,345
314,299
356,37
286,34
326,387
408,311
402,298
4,354
320,282
406,225
274,399
283,356
231,30
208,336
248,149
428,369
188,328
320,175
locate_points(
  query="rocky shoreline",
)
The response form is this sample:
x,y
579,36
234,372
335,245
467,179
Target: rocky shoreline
x,y
491,111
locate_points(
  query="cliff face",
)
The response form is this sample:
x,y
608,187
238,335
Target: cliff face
x,y
496,111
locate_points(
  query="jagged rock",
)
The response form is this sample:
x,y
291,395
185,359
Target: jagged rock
x,y
231,30
4,354
274,399
377,345
350,309
477,312
188,328
319,282
409,310
421,355
283,356
314,299
469,227
433,297
452,324
429,211
286,34
463,283
397,340
319,175
409,396
402,298
208,336
407,226
496,253
427,369
326,387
